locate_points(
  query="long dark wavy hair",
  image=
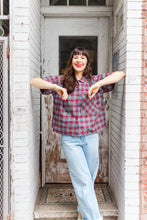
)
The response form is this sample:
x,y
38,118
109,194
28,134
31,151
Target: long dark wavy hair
x,y
69,78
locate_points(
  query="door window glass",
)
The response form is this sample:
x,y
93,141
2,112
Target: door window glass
x,y
67,44
96,2
58,2
77,2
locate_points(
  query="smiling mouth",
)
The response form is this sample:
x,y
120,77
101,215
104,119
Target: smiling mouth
x,y
78,65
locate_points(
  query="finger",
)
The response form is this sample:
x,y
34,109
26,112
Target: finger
x,y
64,95
89,93
93,94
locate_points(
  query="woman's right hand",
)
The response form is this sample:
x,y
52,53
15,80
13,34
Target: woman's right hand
x,y
61,91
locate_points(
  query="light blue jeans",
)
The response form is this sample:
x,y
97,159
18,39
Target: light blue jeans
x,y
82,157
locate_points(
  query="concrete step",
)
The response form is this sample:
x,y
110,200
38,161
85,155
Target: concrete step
x,y
69,212
48,207
104,218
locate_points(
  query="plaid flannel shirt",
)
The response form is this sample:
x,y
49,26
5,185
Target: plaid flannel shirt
x,y
78,116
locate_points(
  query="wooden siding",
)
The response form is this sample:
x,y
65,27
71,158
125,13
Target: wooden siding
x,y
117,123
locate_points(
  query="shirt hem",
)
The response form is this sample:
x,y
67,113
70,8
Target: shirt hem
x,y
80,134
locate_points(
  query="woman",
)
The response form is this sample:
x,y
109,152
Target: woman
x,y
78,115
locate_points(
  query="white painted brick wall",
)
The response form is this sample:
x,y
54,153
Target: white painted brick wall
x,y
132,141
125,114
25,106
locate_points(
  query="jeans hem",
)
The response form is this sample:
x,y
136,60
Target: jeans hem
x,y
100,218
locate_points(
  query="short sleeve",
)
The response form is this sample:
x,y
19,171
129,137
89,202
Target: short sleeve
x,y
106,88
57,79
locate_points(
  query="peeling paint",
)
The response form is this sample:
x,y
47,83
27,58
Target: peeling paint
x,y
56,169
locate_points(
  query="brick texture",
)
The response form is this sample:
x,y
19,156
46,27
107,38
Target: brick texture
x,y
143,106
25,106
133,110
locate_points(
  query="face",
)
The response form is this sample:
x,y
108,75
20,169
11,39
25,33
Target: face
x,y
79,62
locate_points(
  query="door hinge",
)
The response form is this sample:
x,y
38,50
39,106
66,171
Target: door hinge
x,y
8,217
8,51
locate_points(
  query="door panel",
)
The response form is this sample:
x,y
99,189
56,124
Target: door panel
x,y
54,167
55,164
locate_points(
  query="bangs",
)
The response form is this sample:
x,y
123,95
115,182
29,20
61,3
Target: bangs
x,y
80,51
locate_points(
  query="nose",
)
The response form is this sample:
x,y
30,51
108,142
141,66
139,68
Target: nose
x,y
79,59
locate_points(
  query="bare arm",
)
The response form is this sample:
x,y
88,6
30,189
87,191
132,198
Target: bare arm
x,y
113,78
42,84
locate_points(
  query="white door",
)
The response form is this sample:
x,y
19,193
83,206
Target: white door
x,y
54,167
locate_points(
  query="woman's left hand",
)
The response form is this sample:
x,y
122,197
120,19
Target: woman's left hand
x,y
93,90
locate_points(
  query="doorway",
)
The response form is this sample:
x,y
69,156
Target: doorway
x,y
59,37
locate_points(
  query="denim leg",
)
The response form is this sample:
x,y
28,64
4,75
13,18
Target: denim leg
x,y
81,177
91,151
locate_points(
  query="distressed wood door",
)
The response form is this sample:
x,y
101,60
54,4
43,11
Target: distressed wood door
x,y
54,166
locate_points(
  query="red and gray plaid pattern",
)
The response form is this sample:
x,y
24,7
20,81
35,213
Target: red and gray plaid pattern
x,y
78,116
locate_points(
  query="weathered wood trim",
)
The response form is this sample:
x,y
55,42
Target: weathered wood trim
x,y
64,11
42,55
109,2
119,7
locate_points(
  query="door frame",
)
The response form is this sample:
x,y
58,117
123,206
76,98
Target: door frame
x,y
5,157
73,12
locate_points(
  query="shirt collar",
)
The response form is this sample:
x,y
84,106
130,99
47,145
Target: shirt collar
x,y
82,80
